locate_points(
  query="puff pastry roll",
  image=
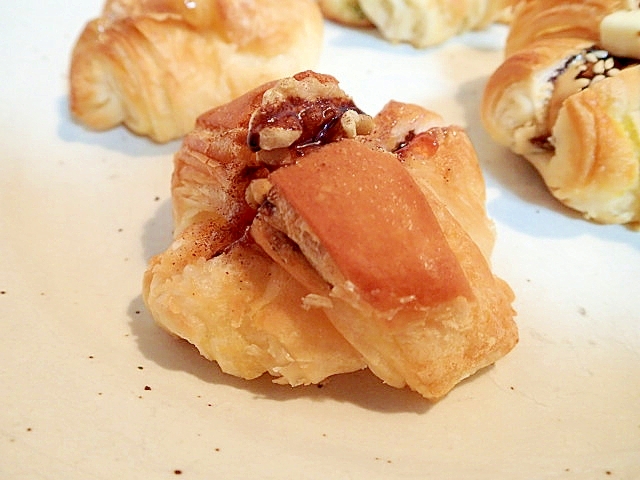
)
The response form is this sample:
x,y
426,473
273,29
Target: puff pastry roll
x,y
155,65
312,239
566,101
422,23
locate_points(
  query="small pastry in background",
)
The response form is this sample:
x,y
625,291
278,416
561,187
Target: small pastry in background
x,y
155,65
566,101
421,23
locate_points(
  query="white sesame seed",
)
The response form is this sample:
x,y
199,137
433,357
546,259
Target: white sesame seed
x,y
598,67
609,63
582,82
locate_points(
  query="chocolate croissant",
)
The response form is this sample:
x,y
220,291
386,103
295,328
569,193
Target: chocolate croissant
x,y
567,99
312,239
154,66
421,23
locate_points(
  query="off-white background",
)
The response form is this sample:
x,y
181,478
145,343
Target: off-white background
x,y
81,212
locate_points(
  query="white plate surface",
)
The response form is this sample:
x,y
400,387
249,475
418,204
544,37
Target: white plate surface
x,y
90,388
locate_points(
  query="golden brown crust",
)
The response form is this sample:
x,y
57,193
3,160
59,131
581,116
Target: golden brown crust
x,y
443,161
253,281
535,20
374,223
243,311
155,65
570,107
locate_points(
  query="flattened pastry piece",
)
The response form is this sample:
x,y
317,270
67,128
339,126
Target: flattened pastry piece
x,y
571,107
155,65
409,289
355,245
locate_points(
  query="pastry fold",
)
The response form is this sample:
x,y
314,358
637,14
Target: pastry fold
x,y
570,106
154,66
312,239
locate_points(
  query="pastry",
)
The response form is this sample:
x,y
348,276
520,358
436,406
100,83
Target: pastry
x,y
571,106
346,12
422,23
155,65
312,239
539,19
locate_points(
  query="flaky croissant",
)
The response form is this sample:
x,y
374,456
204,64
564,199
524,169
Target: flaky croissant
x,y
421,23
567,99
547,19
312,240
155,65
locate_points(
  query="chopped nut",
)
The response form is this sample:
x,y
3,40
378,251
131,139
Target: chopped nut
x,y
272,138
354,123
308,109
257,191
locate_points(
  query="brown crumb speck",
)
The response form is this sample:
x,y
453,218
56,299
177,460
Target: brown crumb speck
x,y
156,198
140,367
147,387
3,292
177,472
